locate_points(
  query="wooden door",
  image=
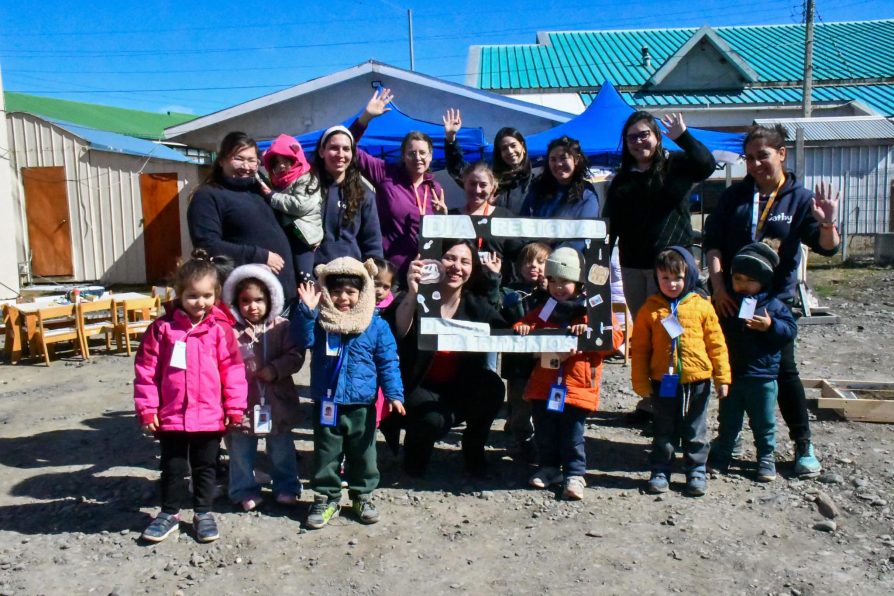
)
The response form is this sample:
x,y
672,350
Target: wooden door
x,y
49,228
161,224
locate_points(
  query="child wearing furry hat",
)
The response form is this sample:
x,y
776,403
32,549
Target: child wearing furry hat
x,y
255,298
354,353
559,435
755,339
676,348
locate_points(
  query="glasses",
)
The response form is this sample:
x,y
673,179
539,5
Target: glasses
x,y
251,161
639,136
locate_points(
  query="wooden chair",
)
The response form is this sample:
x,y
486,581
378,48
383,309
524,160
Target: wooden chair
x,y
164,294
56,324
133,317
621,313
95,318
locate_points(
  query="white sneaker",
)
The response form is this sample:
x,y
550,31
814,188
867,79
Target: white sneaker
x,y
574,488
545,477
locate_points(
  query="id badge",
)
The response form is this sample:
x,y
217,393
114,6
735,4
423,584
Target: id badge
x,y
547,309
672,325
556,400
333,343
262,420
178,356
746,310
328,412
669,384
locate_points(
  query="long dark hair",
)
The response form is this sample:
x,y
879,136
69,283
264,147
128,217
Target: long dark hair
x,y
476,283
352,188
501,168
659,159
546,186
231,144
774,136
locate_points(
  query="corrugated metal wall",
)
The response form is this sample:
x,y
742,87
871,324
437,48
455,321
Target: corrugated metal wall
x,y
103,197
863,173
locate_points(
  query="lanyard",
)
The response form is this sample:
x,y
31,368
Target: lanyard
x,y
757,226
422,206
486,213
333,379
261,388
674,343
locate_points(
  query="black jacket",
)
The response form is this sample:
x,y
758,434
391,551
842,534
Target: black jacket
x,y
513,188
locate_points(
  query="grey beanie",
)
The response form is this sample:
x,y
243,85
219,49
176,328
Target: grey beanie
x,y
756,260
564,262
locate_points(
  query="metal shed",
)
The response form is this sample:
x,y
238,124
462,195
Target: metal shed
x,y
857,155
92,205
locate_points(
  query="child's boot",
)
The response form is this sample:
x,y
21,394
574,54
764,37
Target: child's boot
x,y
766,468
696,482
658,482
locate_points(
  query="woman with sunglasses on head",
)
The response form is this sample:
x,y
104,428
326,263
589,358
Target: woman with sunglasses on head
x,y
228,215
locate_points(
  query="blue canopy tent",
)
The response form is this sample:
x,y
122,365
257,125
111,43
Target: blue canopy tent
x,y
385,133
598,129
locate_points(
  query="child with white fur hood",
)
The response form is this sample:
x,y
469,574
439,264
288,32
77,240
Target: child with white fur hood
x,y
255,297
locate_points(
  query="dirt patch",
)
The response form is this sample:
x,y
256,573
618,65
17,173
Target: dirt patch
x,y
78,484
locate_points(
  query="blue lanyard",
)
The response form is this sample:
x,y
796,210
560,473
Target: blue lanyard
x,y
674,341
333,379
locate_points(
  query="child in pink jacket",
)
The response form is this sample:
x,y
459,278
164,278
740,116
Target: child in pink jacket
x,y
189,387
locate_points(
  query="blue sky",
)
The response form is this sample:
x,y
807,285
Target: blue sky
x,y
204,56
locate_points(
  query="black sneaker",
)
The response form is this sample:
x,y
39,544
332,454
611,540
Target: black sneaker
x,y
322,512
161,527
205,527
365,511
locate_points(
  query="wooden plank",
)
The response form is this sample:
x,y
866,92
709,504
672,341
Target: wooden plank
x,y
850,400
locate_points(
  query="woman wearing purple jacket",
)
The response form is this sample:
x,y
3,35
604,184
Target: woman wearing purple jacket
x,y
405,191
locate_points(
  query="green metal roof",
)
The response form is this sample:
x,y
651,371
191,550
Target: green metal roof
x,y
878,97
146,125
581,59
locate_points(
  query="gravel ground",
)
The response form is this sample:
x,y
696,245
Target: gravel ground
x,y
78,485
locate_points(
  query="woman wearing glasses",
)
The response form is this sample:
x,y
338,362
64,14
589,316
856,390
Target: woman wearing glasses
x,y
228,215
647,204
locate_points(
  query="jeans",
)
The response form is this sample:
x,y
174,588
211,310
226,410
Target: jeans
x,y
182,452
639,284
354,435
243,449
792,399
560,438
671,423
757,397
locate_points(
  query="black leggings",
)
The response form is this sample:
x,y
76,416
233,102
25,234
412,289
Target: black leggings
x,y
792,399
180,453
432,410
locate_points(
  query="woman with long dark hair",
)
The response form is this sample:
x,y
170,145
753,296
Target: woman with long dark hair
x,y
227,214
562,189
510,165
350,217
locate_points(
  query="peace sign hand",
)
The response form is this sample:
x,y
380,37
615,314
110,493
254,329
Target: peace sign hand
x,y
825,205
453,121
438,202
674,125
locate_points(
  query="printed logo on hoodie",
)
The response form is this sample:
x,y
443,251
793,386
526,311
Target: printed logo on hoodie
x,y
781,217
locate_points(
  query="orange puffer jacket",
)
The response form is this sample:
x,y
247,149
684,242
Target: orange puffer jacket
x,y
702,347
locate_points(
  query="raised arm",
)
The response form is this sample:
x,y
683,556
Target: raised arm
x,y
456,161
699,161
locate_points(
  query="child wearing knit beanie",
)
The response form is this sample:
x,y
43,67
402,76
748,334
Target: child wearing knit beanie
x,y
755,338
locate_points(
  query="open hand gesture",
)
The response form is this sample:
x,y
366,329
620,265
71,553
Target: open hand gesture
x,y
439,202
377,105
309,293
492,263
759,322
453,121
825,203
674,125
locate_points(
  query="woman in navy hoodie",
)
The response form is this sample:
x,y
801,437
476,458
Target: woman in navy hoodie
x,y
228,215
769,203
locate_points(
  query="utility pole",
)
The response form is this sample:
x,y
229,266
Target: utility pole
x,y
808,59
410,24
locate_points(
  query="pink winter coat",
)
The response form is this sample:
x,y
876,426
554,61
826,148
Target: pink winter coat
x,y
212,385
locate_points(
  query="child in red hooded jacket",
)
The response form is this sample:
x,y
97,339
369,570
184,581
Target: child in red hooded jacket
x,y
295,194
189,386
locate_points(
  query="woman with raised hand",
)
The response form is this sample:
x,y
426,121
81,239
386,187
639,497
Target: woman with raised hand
x,y
511,165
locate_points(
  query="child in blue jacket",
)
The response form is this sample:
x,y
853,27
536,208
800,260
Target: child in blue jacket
x,y
755,339
354,353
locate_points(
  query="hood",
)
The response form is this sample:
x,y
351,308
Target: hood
x,y
358,319
691,280
289,148
263,274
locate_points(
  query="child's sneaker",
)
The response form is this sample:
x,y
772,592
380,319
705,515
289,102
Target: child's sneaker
x,y
696,484
545,477
251,503
161,527
288,499
806,463
205,527
718,464
658,483
365,511
574,488
766,469
322,512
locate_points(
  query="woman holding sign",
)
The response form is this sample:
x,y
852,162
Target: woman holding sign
x,y
770,203
444,388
